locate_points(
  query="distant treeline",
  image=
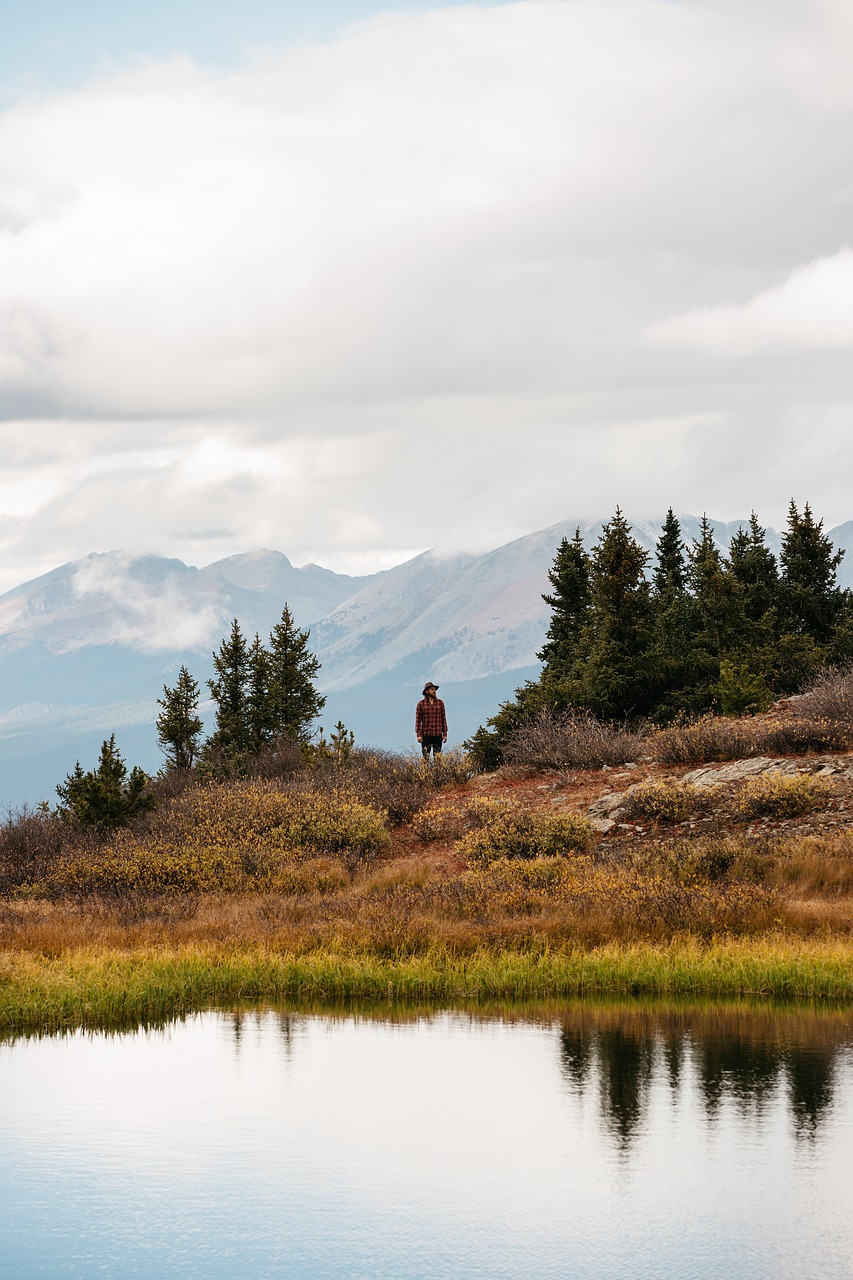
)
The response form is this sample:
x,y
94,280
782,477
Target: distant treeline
x,y
697,630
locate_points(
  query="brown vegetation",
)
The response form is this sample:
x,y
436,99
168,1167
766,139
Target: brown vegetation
x,y
388,857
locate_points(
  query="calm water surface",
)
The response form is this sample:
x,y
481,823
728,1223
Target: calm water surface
x,y
601,1142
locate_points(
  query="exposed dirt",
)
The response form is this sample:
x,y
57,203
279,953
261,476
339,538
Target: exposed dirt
x,y
715,815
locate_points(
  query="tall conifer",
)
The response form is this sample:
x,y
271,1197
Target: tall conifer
x,y
813,600
179,726
293,700
616,679
569,577
670,572
229,689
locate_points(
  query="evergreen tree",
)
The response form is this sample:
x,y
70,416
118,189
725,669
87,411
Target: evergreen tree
x,y
741,691
673,623
569,577
107,796
615,678
258,711
230,691
755,571
179,726
813,601
754,641
670,573
293,701
714,595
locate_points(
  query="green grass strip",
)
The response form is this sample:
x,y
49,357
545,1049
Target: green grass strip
x,y
102,987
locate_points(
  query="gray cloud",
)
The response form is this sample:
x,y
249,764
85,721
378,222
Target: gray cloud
x,y
563,254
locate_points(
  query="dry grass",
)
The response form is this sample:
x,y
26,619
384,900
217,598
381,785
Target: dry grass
x,y
572,739
712,738
829,698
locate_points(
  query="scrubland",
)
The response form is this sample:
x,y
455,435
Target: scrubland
x,y
594,861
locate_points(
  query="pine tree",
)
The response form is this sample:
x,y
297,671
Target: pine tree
x,y
569,576
107,796
670,573
754,569
258,712
615,678
179,726
292,698
673,624
229,689
714,595
813,601
754,573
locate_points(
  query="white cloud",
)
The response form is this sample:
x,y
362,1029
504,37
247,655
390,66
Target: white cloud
x,y
812,310
146,618
259,307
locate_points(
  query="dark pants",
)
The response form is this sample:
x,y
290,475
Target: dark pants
x,y
431,742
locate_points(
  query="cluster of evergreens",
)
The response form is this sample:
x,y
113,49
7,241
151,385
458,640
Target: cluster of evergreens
x,y
263,694
691,631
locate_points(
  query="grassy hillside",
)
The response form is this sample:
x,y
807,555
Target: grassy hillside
x,y
706,864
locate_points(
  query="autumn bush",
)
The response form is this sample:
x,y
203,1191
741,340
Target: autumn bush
x,y
508,830
706,739
397,784
31,842
225,837
781,795
439,822
661,800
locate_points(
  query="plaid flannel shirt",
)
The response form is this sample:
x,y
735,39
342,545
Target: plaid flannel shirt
x,y
430,720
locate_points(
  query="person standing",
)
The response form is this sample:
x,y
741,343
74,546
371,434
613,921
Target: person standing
x,y
430,722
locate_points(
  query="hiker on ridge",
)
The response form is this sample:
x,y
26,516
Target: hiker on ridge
x,y
430,722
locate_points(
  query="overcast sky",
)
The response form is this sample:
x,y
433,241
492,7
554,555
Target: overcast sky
x,y
350,283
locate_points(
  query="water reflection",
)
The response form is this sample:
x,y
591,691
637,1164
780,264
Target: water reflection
x,y
596,1141
742,1056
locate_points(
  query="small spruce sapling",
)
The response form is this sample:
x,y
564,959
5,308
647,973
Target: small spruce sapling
x,y
108,796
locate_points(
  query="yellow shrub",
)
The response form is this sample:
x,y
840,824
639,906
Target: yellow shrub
x,y
225,838
510,831
254,815
661,800
780,795
439,822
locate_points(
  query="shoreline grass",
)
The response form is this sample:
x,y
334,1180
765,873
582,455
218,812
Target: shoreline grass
x,y
102,987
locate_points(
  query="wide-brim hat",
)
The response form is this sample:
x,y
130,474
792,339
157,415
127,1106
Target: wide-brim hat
x,y
429,685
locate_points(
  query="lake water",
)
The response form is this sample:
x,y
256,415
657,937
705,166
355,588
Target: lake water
x,y
599,1141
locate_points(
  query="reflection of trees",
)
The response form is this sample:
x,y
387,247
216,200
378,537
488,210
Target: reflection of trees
x,y
577,1053
810,1081
745,1070
738,1054
626,1067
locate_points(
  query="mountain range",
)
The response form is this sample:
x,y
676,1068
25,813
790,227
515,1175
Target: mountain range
x,y
86,649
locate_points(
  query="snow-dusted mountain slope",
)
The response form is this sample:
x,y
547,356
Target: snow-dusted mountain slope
x,y
151,604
